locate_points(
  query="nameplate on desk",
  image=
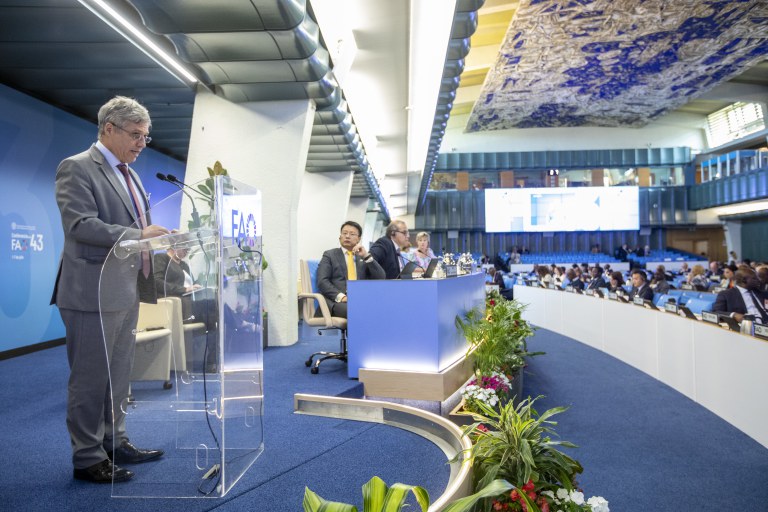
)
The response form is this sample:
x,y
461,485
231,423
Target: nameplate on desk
x,y
590,292
569,288
686,286
613,295
710,317
638,301
552,286
670,307
761,331
717,289
450,270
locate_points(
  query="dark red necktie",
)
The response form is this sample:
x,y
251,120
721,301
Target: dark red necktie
x,y
145,263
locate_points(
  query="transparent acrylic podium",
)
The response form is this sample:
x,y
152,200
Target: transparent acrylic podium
x,y
207,415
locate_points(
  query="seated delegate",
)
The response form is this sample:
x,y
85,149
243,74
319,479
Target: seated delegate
x,y
349,262
745,298
422,255
640,287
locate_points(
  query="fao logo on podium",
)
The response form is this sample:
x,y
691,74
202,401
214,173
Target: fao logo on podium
x,y
244,228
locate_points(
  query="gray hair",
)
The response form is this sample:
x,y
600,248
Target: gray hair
x,y
120,110
395,225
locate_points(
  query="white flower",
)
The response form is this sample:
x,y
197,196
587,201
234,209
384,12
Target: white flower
x,y
548,494
562,494
598,504
577,497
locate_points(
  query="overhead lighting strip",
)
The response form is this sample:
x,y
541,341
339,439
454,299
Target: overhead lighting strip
x,y
140,40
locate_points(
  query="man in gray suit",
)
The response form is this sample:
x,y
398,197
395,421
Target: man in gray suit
x,y
334,270
100,198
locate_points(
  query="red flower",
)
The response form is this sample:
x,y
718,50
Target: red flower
x,y
532,495
529,486
514,496
482,428
492,302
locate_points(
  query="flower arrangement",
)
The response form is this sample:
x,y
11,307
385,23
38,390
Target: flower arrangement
x,y
526,499
491,390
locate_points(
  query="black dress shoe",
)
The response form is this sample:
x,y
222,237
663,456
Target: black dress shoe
x,y
126,453
103,473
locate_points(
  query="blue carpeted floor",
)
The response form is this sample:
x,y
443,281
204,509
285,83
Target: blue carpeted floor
x,y
643,446
332,457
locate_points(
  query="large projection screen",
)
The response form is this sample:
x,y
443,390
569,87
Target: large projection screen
x,y
561,209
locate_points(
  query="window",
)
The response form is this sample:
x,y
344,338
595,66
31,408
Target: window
x,y
734,122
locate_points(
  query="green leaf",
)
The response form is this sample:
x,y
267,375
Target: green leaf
x,y
374,493
314,503
491,490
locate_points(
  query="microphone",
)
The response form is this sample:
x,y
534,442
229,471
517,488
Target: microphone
x,y
176,181
173,180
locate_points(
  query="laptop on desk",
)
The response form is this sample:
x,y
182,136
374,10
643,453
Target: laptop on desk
x,y
407,272
430,268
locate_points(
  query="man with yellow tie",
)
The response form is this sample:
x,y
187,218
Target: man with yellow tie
x,y
349,262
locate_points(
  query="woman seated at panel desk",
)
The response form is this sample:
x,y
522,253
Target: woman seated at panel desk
x,y
423,254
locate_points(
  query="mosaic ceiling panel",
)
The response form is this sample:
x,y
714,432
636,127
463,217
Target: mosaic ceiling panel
x,y
615,62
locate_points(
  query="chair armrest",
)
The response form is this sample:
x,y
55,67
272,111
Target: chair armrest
x,y
321,303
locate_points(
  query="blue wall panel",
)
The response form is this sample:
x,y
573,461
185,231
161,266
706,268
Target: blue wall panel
x,y
34,138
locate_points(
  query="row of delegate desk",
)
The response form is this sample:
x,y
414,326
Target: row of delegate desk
x,y
722,370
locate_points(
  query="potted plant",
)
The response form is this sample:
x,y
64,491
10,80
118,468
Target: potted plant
x,y
378,497
497,337
514,443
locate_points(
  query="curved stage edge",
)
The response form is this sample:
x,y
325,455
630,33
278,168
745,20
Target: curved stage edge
x,y
443,433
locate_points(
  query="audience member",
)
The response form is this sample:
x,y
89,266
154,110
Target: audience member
x,y
745,298
543,274
102,200
726,281
762,275
659,283
386,250
714,270
697,279
349,262
497,278
684,268
572,279
597,280
616,284
640,286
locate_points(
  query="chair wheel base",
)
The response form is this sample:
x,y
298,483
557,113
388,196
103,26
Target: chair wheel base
x,y
315,370
308,363
167,384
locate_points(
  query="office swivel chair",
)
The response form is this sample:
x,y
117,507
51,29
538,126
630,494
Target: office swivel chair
x,y
310,302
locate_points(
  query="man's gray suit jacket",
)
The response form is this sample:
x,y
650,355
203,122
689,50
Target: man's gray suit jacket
x,y
96,212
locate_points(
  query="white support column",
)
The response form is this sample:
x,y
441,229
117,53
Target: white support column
x,y
732,231
322,210
263,144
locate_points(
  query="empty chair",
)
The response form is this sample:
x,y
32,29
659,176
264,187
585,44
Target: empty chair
x,y
152,357
697,305
310,302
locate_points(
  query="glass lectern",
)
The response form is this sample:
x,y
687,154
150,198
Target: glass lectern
x,y
207,414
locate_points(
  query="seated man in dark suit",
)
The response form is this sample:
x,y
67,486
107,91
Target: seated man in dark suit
x,y
640,287
745,298
597,278
335,269
386,250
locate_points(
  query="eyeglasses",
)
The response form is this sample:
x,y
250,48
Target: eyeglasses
x,y
136,136
406,232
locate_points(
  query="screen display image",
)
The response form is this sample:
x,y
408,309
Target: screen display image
x,y
561,209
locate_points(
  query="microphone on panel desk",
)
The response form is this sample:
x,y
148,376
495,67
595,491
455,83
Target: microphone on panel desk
x,y
173,180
